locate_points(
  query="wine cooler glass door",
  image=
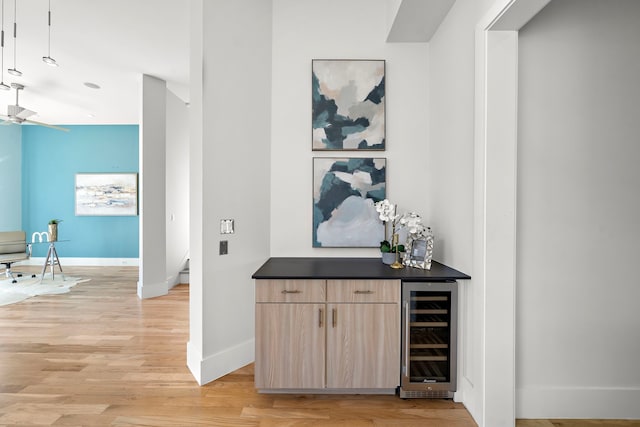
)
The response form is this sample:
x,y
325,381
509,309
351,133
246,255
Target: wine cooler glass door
x,y
429,332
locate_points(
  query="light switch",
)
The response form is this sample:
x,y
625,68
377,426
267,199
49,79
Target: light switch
x,y
226,226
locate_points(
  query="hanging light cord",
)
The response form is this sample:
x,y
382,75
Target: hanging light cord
x,y
15,31
2,85
14,70
2,39
49,46
48,59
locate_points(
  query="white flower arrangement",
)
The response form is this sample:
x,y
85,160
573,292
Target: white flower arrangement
x,y
416,230
387,212
413,222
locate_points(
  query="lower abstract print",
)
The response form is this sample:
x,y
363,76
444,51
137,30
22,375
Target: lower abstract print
x,y
344,193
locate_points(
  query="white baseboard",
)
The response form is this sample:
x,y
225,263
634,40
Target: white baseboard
x,y
152,290
173,280
178,279
578,403
87,262
194,356
183,278
220,364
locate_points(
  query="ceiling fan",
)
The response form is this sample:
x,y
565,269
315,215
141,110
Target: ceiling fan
x,y
18,115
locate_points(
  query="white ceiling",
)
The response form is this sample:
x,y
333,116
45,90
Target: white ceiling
x,y
109,43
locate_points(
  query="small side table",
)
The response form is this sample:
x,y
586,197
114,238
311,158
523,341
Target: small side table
x,y
52,260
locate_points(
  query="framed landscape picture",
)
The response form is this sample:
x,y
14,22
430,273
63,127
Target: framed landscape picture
x,y
344,193
106,194
348,104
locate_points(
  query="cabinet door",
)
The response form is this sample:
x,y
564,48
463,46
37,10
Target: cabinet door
x,y
363,346
290,346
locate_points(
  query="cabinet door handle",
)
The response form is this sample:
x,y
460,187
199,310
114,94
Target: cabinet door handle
x,y
285,291
363,292
335,316
320,317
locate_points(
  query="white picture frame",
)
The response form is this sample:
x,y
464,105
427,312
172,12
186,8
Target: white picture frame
x,y
106,194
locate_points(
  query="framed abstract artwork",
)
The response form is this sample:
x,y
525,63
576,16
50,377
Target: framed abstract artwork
x,y
348,104
106,194
344,193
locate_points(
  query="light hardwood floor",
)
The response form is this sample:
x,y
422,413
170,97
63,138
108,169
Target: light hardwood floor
x,y
99,356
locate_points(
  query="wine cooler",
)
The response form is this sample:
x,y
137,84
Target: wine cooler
x,y
429,313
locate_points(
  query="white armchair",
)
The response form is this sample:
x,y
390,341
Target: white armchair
x,y
13,248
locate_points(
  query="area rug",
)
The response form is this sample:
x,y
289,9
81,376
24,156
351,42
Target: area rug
x,y
28,287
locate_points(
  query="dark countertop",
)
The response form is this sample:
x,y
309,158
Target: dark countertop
x,y
352,268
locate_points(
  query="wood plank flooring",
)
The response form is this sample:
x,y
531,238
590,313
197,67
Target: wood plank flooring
x,y
99,356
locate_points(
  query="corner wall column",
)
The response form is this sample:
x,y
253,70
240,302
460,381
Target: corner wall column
x,y
495,195
153,254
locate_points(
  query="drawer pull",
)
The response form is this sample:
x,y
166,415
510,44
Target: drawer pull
x,y
363,292
285,291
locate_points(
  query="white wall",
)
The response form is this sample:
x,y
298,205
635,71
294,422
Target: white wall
x,y
177,180
302,31
229,178
11,177
578,327
451,180
299,35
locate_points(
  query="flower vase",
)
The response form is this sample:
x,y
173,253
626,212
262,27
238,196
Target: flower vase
x,y
388,258
53,232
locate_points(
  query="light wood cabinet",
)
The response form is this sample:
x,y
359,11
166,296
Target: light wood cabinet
x,y
290,346
317,335
269,291
363,346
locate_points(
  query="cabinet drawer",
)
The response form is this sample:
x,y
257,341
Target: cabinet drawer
x,y
290,290
355,291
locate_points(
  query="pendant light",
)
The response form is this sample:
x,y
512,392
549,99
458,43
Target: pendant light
x,y
3,86
48,59
14,71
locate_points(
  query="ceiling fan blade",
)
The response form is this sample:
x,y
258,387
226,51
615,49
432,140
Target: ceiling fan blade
x,y
25,113
46,125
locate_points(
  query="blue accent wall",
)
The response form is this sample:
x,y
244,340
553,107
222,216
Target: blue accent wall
x,y
50,161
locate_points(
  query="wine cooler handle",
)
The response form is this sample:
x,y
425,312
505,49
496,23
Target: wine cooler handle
x,y
320,317
407,344
335,317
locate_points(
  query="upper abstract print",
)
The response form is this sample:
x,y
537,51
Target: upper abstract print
x,y
348,105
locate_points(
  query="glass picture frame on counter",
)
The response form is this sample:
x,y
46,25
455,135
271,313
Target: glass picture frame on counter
x,y
419,252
